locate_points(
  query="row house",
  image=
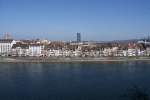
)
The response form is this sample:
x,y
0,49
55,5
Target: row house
x,y
107,52
66,53
20,50
148,51
77,53
36,49
56,53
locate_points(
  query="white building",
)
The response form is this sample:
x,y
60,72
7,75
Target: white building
x,y
132,52
107,52
35,49
125,53
148,51
56,53
5,46
51,53
20,50
77,53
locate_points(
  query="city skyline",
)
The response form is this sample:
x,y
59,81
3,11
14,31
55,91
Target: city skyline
x,y
99,20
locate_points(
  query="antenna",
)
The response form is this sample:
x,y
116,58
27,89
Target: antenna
x,y
7,36
148,38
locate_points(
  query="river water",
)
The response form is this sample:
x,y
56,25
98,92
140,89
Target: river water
x,y
72,81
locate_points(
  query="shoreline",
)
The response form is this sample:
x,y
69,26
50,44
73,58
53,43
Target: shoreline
x,y
70,60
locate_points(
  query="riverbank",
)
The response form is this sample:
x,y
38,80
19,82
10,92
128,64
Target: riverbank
x,y
72,59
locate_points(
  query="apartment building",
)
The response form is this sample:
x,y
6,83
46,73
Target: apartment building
x,y
5,46
36,49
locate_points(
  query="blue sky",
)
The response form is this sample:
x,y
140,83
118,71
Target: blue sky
x,y
61,19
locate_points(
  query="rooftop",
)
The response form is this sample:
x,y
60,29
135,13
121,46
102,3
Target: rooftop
x,y
6,40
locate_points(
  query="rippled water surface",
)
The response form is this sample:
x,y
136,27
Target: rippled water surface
x,y
72,81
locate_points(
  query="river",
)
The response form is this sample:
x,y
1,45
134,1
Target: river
x,y
72,81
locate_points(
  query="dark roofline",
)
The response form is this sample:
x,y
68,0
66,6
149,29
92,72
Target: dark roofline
x,y
23,46
35,44
6,40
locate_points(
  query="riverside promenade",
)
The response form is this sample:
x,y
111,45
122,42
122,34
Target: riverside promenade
x,y
72,59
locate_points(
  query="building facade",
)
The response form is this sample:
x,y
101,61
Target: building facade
x,y
5,46
36,49
20,50
78,37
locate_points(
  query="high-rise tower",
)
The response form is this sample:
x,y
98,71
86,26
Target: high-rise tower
x,y
78,37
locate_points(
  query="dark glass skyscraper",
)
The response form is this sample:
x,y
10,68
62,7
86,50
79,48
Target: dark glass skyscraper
x,y
78,37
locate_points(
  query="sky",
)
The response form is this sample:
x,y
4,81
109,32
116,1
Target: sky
x,y
99,20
